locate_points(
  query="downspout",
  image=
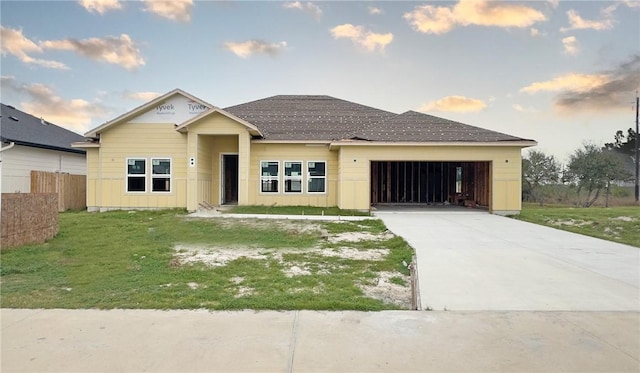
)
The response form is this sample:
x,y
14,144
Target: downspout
x,y
11,145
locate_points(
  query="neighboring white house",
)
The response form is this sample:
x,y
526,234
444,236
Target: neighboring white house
x,y
33,144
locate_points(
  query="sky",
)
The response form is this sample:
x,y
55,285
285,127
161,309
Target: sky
x,y
558,72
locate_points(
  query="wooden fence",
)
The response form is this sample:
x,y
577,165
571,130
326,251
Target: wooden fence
x,y
71,189
28,218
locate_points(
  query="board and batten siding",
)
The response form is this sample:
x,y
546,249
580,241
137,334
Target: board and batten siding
x,y
19,161
139,140
505,170
293,152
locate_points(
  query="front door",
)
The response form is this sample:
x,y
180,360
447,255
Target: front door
x,y
229,179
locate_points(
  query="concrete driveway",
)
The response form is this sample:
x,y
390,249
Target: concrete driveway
x,y
471,260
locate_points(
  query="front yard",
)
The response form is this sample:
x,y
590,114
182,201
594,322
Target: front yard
x,y
166,260
618,224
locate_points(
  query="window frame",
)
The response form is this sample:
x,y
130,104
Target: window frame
x,y
161,176
299,178
324,178
269,178
128,175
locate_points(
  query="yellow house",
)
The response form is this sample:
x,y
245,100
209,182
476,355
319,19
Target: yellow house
x,y
180,151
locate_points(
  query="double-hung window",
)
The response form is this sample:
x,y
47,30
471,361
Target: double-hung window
x,y
316,177
293,177
160,175
269,176
136,175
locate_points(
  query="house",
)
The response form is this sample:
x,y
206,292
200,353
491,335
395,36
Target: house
x,y
33,144
181,151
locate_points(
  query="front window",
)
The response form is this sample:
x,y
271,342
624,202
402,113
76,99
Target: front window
x,y
269,176
317,177
136,175
160,175
293,177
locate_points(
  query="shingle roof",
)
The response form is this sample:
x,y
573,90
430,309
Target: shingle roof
x,y
293,117
418,127
25,129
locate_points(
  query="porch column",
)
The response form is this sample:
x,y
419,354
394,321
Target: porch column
x,y
244,163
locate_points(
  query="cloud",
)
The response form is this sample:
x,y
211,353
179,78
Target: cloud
x,y
74,114
609,90
570,45
572,82
247,48
578,23
520,108
141,96
100,6
368,40
175,10
374,11
439,20
308,7
120,51
16,44
454,103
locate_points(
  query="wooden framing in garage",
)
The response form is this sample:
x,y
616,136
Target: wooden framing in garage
x,y
424,182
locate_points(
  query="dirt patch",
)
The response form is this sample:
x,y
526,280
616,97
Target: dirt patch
x,y
296,271
359,236
215,256
355,254
387,291
572,223
624,218
290,226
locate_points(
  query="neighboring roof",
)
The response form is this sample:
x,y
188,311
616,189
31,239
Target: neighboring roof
x,y
315,118
143,108
25,129
418,127
292,117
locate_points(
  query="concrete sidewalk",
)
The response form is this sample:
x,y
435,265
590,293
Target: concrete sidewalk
x,y
310,341
478,261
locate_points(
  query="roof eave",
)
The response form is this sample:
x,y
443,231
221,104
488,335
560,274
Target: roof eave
x,y
510,143
44,146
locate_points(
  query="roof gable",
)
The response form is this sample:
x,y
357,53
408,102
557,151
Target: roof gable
x,y
175,107
25,129
250,127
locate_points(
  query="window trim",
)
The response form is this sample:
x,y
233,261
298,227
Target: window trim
x,y
285,177
161,176
309,177
266,178
145,175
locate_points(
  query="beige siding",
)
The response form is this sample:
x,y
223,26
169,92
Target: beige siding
x,y
202,142
354,190
137,140
93,178
293,152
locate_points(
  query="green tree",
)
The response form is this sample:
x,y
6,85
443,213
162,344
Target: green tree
x,y
539,169
594,168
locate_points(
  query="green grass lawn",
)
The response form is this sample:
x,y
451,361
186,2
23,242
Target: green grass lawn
x,y
295,210
139,260
619,224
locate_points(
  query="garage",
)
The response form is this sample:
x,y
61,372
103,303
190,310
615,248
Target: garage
x,y
425,182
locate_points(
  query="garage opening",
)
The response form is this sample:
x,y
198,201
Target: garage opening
x,y
420,182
